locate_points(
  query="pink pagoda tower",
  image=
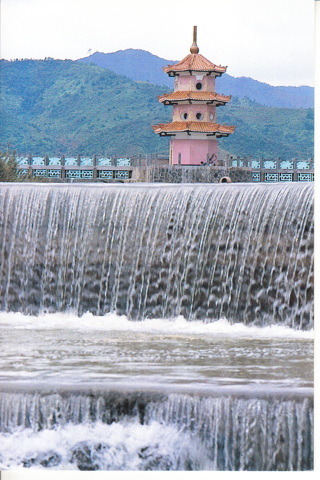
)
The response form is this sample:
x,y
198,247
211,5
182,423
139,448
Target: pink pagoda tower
x,y
194,130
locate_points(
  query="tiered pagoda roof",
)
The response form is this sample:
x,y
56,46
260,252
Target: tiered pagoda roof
x,y
191,96
194,62
201,127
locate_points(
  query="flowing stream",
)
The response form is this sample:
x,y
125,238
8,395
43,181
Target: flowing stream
x,y
156,327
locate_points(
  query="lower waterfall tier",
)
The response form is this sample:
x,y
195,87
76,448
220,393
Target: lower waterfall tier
x,y
155,431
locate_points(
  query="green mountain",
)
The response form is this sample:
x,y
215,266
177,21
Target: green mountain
x,y
60,107
268,132
63,107
140,65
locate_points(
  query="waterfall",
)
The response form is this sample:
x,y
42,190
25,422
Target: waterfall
x,y
226,432
156,327
241,251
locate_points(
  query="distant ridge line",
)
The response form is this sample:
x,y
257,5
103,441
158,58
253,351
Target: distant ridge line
x,y
142,66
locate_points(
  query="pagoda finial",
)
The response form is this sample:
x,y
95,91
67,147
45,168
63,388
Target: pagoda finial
x,y
194,47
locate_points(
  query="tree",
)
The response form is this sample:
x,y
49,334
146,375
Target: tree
x,y
8,167
9,171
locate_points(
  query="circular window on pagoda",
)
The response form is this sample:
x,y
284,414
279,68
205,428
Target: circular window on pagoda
x,y
183,116
211,117
199,86
199,116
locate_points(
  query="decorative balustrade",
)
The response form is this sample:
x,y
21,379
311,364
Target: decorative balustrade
x,y
55,161
274,164
286,177
124,174
276,170
23,160
124,162
105,174
38,161
56,173
112,168
303,165
40,172
305,177
286,165
78,168
104,161
71,161
86,161
269,164
255,164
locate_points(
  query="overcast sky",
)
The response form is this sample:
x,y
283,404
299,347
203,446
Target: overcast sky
x,y
269,40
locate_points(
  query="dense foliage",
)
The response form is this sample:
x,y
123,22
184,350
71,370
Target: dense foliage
x,y
140,65
266,131
59,107
9,169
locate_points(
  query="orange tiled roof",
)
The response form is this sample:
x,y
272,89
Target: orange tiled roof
x,y
202,127
180,95
196,63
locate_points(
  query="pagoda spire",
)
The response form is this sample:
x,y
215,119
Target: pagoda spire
x,y
194,47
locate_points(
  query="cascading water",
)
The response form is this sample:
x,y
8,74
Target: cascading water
x,y
207,433
156,327
244,252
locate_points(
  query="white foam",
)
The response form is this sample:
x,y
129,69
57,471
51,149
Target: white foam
x,y
124,444
175,326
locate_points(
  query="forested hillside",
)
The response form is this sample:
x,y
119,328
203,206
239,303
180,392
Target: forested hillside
x,y
266,131
62,107
65,107
140,65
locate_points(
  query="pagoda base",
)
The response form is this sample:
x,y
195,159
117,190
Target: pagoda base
x,y
192,151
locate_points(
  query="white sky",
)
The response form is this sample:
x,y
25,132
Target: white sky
x,y
269,40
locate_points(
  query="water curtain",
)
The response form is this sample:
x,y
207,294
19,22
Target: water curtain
x,y
244,252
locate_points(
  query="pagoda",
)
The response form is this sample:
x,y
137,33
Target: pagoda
x,y
193,129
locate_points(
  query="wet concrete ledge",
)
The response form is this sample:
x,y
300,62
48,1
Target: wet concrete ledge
x,y
121,388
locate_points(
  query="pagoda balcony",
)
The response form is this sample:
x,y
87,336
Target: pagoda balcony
x,y
207,128
181,97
